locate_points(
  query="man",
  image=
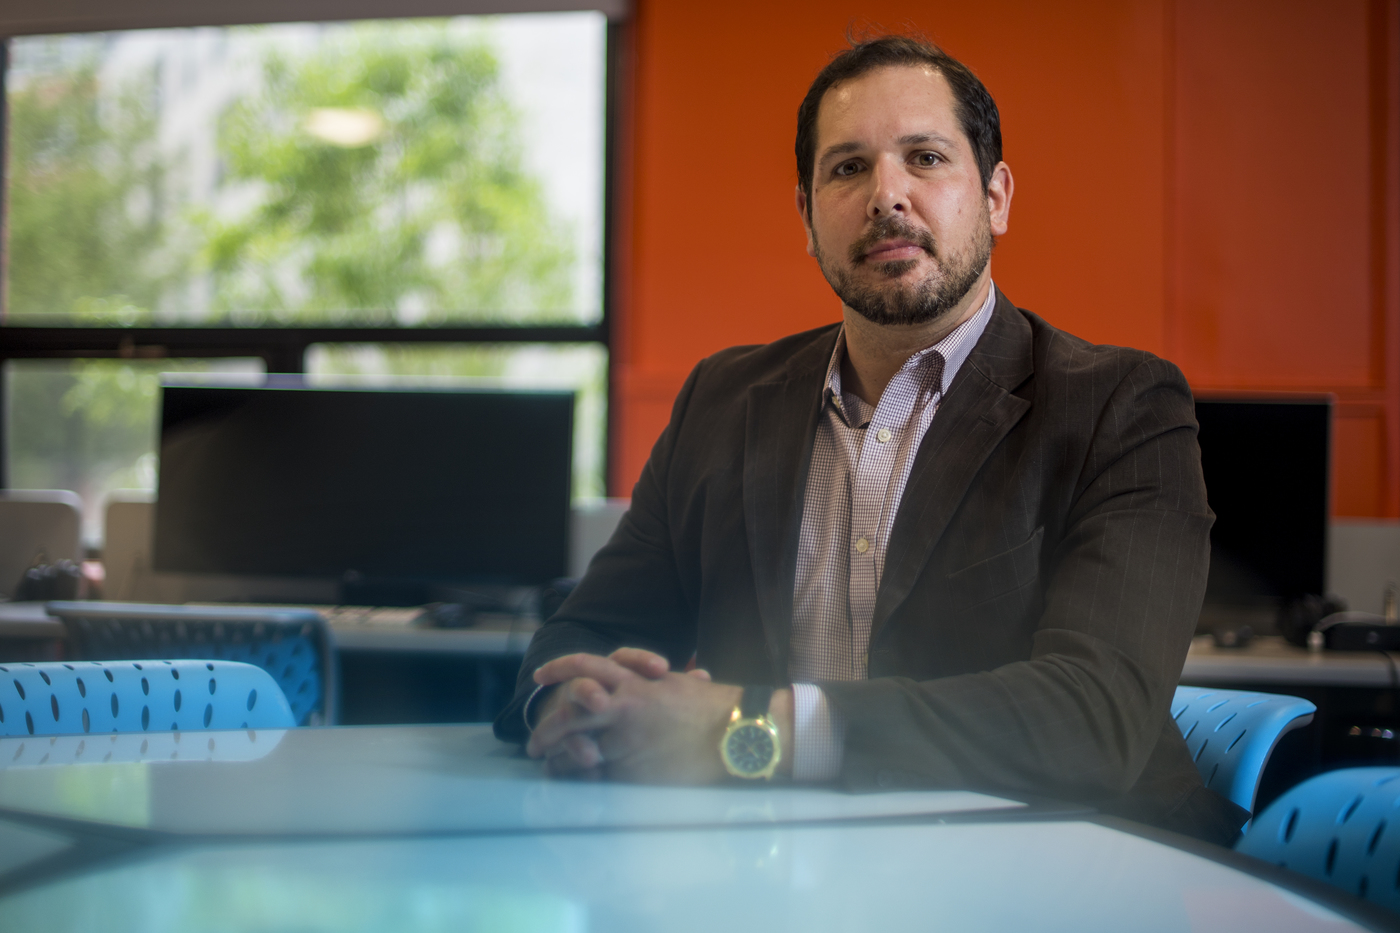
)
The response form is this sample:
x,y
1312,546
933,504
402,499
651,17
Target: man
x,y
940,544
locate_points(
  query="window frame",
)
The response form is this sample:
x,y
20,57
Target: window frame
x,y
283,348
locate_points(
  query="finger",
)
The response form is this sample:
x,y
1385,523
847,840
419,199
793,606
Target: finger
x,y
587,693
549,735
648,664
563,766
604,670
567,720
699,672
616,745
553,727
583,748
575,753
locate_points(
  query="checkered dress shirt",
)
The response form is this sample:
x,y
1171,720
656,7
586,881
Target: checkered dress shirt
x,y
861,459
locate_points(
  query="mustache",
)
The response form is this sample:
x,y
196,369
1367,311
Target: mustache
x,y
890,228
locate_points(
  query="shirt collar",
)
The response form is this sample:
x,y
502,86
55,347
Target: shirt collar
x,y
953,350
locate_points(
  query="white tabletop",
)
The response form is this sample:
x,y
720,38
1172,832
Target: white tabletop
x,y
442,828
1076,877
387,780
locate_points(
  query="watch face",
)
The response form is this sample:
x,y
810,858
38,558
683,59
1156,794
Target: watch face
x,y
750,748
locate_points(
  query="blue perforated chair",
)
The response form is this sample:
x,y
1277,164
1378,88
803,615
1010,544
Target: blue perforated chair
x,y
293,645
1342,827
55,698
1231,734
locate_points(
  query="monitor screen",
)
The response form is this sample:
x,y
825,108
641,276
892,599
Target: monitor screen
x,y
438,486
1266,471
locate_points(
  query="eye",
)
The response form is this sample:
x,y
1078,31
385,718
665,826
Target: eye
x,y
846,169
927,158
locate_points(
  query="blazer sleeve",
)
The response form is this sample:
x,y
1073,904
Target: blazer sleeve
x,y
631,594
1124,581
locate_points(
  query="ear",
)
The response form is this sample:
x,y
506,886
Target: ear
x,y
803,211
1000,187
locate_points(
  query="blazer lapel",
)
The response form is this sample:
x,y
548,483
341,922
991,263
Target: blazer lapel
x,y
780,427
976,414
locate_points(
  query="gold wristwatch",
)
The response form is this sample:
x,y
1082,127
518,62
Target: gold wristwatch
x,y
750,746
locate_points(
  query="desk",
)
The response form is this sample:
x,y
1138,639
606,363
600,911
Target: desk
x,y
442,828
495,634
388,673
1270,660
1357,721
1267,659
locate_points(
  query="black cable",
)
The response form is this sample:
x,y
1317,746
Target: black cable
x,y
1394,675
1394,683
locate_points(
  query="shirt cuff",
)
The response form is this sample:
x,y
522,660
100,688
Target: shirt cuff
x,y
819,735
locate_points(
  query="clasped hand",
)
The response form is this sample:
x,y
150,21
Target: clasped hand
x,y
628,716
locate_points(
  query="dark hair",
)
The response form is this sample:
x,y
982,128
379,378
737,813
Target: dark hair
x,y
972,105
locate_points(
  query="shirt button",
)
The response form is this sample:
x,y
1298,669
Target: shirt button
x,y
862,545
884,436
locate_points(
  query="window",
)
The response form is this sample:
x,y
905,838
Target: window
x,y
401,199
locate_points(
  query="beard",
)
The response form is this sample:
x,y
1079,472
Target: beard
x,y
953,275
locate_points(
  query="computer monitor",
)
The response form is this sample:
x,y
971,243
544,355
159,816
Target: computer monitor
x,y
1266,465
391,487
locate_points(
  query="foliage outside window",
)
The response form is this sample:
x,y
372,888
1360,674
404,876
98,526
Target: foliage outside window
x,y
403,173
362,173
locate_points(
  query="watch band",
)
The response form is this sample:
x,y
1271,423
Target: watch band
x,y
754,704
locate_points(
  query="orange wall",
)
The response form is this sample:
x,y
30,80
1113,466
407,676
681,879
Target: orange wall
x,y
1211,180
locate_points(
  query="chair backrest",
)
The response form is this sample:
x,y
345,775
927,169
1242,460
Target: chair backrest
x,y
1231,734
126,548
128,560
292,645
57,698
591,524
1341,827
37,526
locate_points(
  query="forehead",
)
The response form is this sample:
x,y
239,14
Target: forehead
x,y
892,102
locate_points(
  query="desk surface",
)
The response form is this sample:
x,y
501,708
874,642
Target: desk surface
x,y
415,828
494,634
1266,660
1271,660
28,620
491,635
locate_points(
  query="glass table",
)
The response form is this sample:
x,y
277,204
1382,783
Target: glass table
x,y
443,828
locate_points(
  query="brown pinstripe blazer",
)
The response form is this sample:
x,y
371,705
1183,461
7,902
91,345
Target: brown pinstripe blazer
x,y
1041,586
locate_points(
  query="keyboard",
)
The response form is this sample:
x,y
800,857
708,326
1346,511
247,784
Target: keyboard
x,y
374,616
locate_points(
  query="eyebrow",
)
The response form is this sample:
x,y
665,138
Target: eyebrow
x,y
838,149
913,139
917,138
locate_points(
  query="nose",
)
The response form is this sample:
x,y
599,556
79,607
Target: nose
x,y
888,194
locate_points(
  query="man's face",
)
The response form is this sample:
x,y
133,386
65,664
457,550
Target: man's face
x,y
898,220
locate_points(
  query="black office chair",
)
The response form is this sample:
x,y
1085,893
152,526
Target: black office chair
x,y
293,645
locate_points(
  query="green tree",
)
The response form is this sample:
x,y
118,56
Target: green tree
x,y
429,217
433,217
87,234
88,243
